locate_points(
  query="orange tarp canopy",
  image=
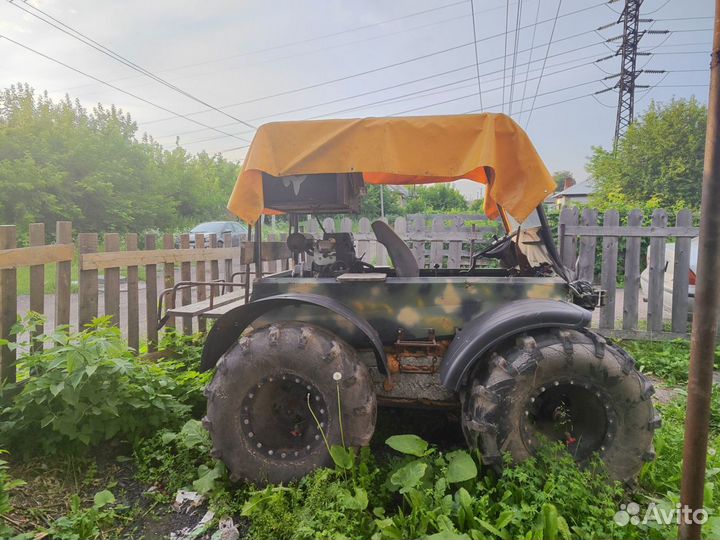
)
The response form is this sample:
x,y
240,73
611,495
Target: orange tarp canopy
x,y
400,150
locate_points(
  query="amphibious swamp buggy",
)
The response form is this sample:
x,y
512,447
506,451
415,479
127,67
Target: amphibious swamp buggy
x,y
317,347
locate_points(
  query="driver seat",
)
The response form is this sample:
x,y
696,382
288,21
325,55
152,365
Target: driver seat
x,y
402,258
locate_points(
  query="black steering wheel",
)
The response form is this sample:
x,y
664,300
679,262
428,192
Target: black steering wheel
x,y
494,250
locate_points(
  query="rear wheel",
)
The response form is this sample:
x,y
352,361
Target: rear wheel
x,y
274,401
567,386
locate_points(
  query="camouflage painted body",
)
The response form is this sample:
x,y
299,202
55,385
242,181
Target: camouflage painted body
x,y
408,309
412,305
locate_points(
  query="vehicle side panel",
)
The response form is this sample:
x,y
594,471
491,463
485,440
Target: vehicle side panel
x,y
410,304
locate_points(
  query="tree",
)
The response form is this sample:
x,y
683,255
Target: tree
x,y
657,163
370,206
560,177
60,161
477,206
438,198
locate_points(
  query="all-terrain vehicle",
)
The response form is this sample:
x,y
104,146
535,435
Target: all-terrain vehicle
x,y
308,359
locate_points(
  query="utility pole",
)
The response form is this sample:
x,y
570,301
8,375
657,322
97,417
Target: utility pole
x,y
382,201
705,313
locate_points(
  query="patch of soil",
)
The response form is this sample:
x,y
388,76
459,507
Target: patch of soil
x,y
663,392
50,484
440,428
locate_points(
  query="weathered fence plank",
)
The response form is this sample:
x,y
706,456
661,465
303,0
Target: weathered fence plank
x,y
631,294
436,246
416,225
186,293
88,282
381,254
681,275
200,276
100,261
586,256
34,255
8,307
227,242
642,232
609,271
133,300
214,266
151,297
169,277
656,274
63,275
37,281
111,282
364,245
567,240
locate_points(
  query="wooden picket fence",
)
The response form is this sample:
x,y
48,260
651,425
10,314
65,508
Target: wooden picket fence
x,y
580,237
445,240
437,241
99,280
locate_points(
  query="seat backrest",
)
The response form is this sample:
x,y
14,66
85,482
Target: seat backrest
x,y
401,256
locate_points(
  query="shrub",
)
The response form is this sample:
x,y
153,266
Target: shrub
x,y
86,388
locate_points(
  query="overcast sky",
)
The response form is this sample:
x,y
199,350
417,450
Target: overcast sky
x,y
259,61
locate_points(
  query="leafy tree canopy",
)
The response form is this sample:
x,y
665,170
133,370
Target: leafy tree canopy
x,y
370,205
437,198
59,161
657,163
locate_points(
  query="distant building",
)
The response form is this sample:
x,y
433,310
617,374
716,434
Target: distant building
x,y
575,194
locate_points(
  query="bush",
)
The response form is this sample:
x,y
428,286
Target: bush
x,y
86,388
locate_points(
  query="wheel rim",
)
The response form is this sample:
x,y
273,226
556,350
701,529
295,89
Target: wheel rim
x,y
574,413
277,417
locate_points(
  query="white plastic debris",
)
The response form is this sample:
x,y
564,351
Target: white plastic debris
x,y
185,501
227,530
189,533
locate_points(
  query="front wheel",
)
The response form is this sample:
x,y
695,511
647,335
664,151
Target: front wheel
x,y
273,403
567,386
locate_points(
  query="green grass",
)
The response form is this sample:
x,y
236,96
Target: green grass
x,y
23,278
418,490
668,360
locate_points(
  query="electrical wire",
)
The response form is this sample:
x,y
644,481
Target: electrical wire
x,y
110,85
659,8
90,42
477,59
428,92
518,20
532,45
552,33
282,113
507,18
405,83
381,68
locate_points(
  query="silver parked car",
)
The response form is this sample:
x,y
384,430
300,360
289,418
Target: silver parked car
x,y
669,277
238,232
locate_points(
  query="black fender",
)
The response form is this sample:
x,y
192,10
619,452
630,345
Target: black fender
x,y
492,327
228,328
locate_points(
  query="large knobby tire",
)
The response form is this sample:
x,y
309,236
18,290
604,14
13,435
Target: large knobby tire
x,y
562,385
264,394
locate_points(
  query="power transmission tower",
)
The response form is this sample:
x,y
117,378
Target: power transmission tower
x,y
630,17
628,52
